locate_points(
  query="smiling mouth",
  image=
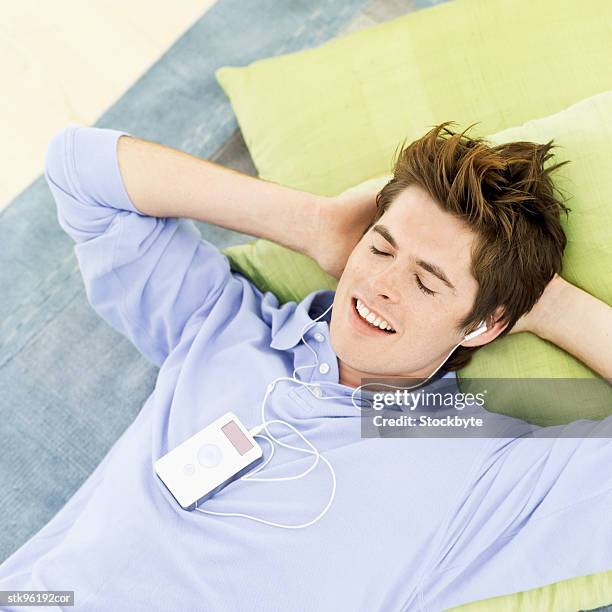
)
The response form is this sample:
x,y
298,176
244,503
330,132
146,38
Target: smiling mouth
x,y
369,324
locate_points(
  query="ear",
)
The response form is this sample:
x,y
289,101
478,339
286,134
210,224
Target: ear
x,y
495,326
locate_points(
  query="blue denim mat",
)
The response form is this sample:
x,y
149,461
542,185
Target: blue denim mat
x,y
62,402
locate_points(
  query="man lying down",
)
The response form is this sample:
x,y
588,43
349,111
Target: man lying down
x,y
464,238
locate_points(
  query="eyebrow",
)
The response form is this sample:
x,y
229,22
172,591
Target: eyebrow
x,y
383,230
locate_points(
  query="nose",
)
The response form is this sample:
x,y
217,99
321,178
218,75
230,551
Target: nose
x,y
385,285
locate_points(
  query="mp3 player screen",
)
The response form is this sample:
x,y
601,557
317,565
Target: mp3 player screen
x,y
239,441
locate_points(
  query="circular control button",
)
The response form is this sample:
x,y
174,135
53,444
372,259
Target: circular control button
x,y
209,455
189,469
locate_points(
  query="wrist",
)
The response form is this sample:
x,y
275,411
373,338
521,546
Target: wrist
x,y
315,228
549,307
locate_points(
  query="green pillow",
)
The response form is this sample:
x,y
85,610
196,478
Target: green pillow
x,y
344,107
327,118
352,114
581,593
583,133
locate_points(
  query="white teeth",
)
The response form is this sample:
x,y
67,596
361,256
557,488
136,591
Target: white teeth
x,y
372,318
362,309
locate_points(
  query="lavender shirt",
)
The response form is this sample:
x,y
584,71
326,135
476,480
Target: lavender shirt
x,y
416,524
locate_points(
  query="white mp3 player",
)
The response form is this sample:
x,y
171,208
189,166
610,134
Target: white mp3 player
x,y
204,464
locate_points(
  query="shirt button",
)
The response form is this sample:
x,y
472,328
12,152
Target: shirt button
x,y
324,368
319,337
317,391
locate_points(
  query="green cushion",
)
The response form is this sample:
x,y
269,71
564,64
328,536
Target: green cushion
x,y
330,117
583,133
344,107
581,593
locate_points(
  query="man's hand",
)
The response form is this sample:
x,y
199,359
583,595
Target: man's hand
x,y
341,222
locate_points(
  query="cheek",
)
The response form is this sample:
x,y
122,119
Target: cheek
x,y
358,259
355,272
429,313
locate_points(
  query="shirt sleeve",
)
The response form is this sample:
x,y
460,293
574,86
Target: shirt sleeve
x,y
539,510
148,277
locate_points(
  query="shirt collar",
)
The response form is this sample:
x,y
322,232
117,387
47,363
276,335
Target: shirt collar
x,y
289,321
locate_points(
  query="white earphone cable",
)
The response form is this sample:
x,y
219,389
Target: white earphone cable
x,y
255,431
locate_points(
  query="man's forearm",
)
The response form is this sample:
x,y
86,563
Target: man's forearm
x,y
578,323
166,182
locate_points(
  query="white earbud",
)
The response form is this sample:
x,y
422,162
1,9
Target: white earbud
x,y
482,328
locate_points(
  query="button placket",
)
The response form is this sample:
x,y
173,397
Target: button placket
x,y
317,391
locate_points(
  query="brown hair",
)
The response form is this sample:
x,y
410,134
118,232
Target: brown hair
x,y
506,196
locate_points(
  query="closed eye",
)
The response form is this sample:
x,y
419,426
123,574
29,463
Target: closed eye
x,y
421,286
377,252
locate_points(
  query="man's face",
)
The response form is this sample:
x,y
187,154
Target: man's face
x,y
405,288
